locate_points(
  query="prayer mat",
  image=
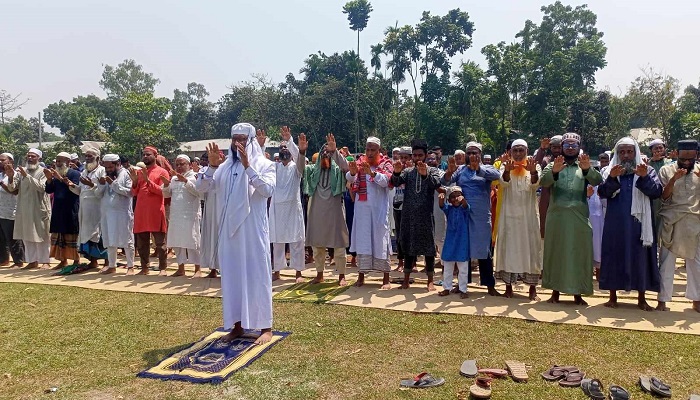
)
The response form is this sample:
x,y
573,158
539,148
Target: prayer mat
x,y
211,360
316,293
73,269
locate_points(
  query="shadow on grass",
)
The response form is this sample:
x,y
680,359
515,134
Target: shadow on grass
x,y
153,357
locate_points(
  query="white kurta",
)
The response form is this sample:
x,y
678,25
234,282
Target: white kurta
x,y
370,225
89,211
185,213
439,220
286,214
518,243
244,255
597,217
116,212
210,227
33,207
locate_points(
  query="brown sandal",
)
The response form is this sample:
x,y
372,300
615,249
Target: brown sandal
x,y
481,389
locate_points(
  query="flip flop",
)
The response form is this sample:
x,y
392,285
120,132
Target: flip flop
x,y
481,389
572,379
494,372
645,383
558,372
468,369
422,381
659,388
593,388
517,370
618,393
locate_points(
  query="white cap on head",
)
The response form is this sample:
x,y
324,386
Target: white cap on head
x,y
73,156
375,140
8,155
243,128
656,142
519,142
396,149
36,151
276,155
64,155
406,150
460,152
111,157
184,157
487,156
90,150
475,144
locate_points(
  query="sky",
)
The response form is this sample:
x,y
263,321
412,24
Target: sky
x,y
56,50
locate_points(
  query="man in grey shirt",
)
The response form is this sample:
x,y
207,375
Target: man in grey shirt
x,y
8,207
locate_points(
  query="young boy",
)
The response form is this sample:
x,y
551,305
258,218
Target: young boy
x,y
455,251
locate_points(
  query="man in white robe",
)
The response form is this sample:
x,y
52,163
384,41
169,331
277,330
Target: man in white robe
x,y
89,211
184,235
286,214
210,226
116,213
33,209
242,184
518,243
370,237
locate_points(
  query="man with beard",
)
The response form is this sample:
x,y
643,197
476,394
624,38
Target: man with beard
x,y
116,215
242,184
8,209
604,160
518,243
371,238
210,225
680,223
568,241
397,205
33,208
184,233
555,148
64,215
629,240
658,160
324,183
416,236
149,217
89,213
475,180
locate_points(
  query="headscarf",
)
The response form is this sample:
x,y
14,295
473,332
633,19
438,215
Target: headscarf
x,y
312,175
641,205
233,183
163,163
36,151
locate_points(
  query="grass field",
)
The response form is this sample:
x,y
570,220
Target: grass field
x,y
90,344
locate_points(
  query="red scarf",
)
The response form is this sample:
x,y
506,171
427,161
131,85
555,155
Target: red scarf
x,y
384,167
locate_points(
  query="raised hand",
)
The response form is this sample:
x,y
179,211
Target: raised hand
x,y
87,182
164,179
303,143
441,196
286,133
451,165
22,171
508,164
172,173
67,181
422,168
102,180
353,168
242,154
144,174
559,164
214,155
679,174
344,151
409,164
9,171
531,165
589,191
544,143
673,154
616,171
134,174
474,162
641,170
56,175
398,167
261,137
584,162
108,179
180,177
366,169
330,143
48,173
195,166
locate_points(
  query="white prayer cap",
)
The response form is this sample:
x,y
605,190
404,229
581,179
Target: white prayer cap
x,y
519,142
8,155
460,152
375,140
625,141
73,156
656,142
184,157
555,140
276,155
405,150
396,149
64,155
475,144
36,151
571,136
110,157
243,128
487,156
89,150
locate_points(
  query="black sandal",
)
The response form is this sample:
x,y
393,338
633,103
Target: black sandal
x,y
422,381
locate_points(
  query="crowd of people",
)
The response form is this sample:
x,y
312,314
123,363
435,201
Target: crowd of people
x,y
546,216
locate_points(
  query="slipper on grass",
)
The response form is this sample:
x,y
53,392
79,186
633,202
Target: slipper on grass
x,y
659,388
593,388
517,370
469,369
481,389
422,381
494,372
558,372
618,393
572,379
645,383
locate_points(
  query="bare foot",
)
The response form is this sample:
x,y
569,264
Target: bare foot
x,y
611,304
360,282
46,266
235,333
509,292
265,337
213,274
493,292
696,306
17,265
662,306
5,264
197,274
179,272
533,294
31,265
644,306
318,279
431,287
144,271
163,272
130,271
579,301
275,276
108,270
387,286
299,279
342,282
444,293
463,295
554,299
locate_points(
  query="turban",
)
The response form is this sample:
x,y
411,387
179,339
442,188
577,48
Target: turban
x,y
405,150
243,128
519,142
555,140
63,154
110,158
151,149
375,140
184,157
460,152
8,155
91,150
570,136
656,142
684,145
36,151
475,144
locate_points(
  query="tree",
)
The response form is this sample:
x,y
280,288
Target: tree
x,y
79,120
9,103
192,115
358,14
127,77
653,100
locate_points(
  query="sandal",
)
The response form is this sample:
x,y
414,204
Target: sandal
x,y
481,389
618,393
593,388
645,383
558,372
572,379
468,369
659,388
517,370
422,381
494,372
443,293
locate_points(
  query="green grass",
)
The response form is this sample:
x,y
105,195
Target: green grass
x,y
90,344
